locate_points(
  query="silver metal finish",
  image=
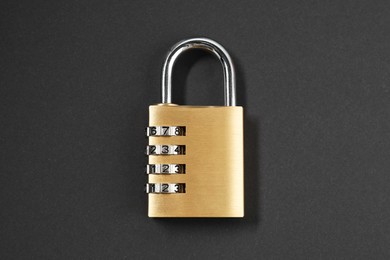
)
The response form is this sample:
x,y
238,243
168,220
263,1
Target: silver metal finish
x,y
166,169
166,131
165,149
165,188
205,44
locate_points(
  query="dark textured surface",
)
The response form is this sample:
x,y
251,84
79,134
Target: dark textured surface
x,y
76,79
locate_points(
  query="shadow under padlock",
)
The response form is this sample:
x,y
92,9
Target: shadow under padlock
x,y
196,166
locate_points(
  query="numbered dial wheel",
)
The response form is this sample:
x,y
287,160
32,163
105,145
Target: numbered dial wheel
x,y
165,168
165,188
165,149
166,131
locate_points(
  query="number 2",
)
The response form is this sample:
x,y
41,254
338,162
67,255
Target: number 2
x,y
165,168
152,149
164,187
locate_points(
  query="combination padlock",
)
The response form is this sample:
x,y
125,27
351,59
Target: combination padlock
x,y
196,162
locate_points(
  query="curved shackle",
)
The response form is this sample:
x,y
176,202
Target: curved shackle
x,y
204,44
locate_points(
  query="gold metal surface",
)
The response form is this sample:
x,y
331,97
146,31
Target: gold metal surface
x,y
214,161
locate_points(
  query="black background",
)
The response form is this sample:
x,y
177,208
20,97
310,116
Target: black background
x,y
76,81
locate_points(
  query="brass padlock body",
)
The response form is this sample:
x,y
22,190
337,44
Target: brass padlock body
x,y
214,177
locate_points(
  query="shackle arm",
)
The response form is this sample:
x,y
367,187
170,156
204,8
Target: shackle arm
x,y
208,45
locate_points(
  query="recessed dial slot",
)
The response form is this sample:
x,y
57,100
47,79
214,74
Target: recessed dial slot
x,y
165,131
166,169
165,149
165,188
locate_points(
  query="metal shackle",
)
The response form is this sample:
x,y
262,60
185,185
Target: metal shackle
x,y
204,44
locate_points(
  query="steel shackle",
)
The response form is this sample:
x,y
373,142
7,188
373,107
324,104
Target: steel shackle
x,y
204,44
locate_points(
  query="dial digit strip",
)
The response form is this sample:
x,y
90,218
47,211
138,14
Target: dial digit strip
x,y
166,169
166,149
165,131
165,188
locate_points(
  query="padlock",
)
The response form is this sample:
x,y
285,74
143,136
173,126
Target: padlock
x,y
196,157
